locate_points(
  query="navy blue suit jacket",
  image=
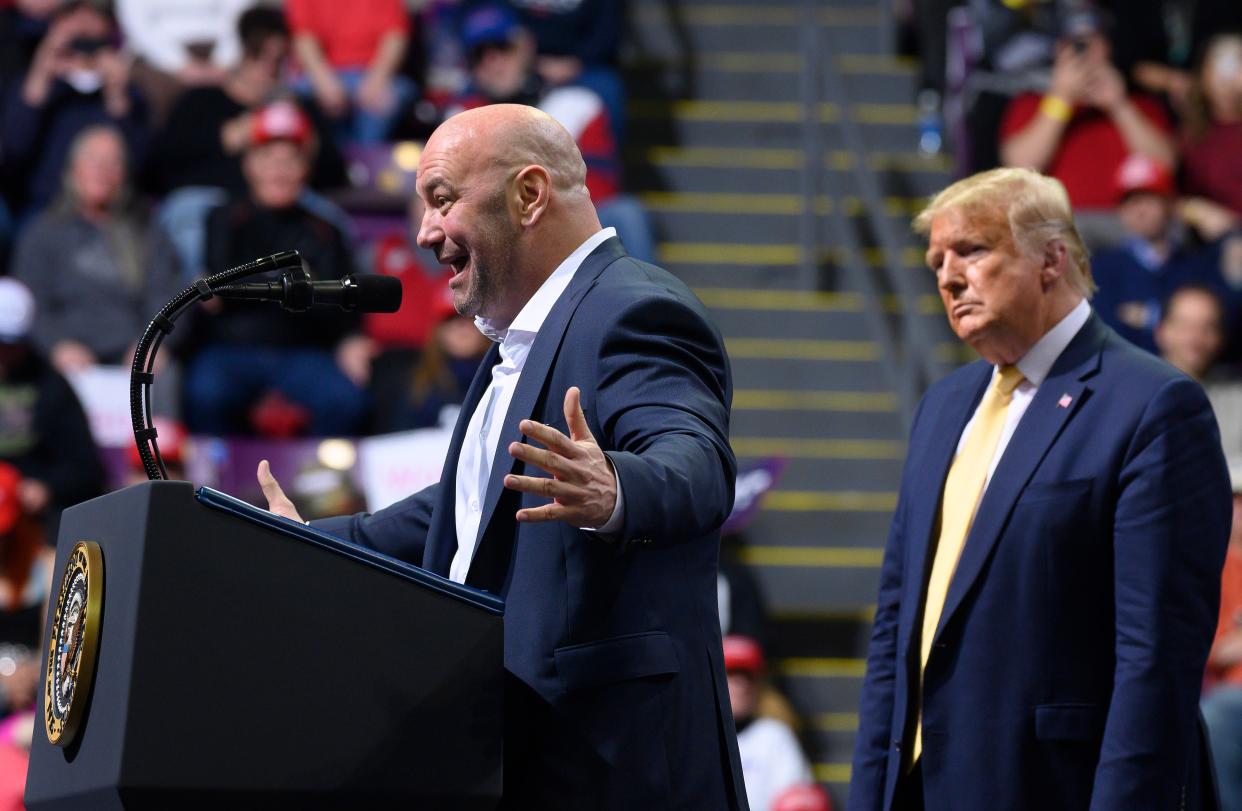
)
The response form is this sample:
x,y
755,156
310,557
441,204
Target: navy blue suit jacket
x,y
1066,669
621,639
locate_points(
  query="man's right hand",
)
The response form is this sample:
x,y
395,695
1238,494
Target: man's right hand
x,y
277,501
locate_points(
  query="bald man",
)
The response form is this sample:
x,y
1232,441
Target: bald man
x,y
587,479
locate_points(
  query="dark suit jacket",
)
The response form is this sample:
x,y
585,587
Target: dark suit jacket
x,y
620,639
1066,668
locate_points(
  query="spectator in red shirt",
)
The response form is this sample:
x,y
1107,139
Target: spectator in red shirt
x,y
351,58
1212,143
1085,125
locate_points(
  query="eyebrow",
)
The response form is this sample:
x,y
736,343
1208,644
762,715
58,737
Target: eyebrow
x,y
435,182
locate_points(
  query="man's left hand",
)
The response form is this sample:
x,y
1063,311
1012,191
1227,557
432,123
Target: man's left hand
x,y
583,486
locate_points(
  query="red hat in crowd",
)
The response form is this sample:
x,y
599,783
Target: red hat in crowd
x,y
280,121
802,798
742,653
1139,173
172,438
10,503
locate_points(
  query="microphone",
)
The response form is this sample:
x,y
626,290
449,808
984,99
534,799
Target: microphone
x,y
296,292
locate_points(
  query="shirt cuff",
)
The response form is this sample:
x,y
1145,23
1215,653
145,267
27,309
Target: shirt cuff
x,y
616,521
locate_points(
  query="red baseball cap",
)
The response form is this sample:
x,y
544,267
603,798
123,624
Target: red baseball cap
x,y
280,121
1139,173
742,653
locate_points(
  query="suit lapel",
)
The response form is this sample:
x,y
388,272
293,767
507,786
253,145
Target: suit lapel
x,y
933,462
1038,429
442,535
533,381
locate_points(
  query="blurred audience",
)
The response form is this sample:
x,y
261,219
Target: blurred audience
x,y
43,431
179,44
772,759
196,159
323,492
1084,126
77,78
313,363
417,397
1152,259
175,447
1191,336
577,42
806,797
98,270
351,62
23,24
502,57
1222,702
1212,141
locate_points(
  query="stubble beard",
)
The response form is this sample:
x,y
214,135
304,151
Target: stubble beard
x,y
492,259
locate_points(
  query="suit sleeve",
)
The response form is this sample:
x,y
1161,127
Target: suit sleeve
x,y
1171,528
663,403
869,773
399,530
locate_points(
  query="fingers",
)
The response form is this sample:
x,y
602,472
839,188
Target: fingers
x,y
545,460
543,486
551,437
277,501
548,512
574,418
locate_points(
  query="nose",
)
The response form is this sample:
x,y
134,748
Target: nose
x,y
430,234
950,277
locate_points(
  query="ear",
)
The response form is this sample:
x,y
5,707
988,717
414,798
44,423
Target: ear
x,y
1055,263
534,192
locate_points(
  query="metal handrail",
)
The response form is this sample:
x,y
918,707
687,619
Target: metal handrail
x,y
917,349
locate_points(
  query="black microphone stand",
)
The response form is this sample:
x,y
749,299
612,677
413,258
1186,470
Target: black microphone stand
x,y
142,376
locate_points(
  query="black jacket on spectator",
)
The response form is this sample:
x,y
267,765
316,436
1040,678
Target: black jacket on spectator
x,y
44,434
38,138
188,152
589,29
242,231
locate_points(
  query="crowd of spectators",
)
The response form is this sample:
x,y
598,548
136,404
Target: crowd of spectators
x,y
145,143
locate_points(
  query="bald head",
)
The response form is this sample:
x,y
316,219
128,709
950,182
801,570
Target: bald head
x,y
510,137
506,198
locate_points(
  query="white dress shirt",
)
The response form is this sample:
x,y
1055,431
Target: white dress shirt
x,y
1034,366
478,449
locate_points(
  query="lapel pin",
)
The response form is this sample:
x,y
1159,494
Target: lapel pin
x,y
1064,401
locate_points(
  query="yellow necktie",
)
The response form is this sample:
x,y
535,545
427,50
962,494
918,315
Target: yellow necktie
x,y
962,489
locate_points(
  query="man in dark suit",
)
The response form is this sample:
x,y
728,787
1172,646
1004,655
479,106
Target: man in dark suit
x,y
586,482
1050,585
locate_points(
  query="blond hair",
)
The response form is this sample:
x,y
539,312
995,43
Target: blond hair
x,y
1036,207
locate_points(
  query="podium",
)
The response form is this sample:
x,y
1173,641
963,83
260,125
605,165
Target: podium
x,y
247,661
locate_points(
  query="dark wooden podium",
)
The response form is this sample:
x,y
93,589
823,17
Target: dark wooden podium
x,y
247,661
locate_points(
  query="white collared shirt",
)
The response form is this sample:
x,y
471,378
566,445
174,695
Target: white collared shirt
x,y
478,449
1034,366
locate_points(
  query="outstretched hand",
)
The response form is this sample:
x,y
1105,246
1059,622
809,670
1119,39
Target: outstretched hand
x,y
583,486
277,501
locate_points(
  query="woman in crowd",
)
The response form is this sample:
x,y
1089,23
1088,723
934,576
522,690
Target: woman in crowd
x,y
97,268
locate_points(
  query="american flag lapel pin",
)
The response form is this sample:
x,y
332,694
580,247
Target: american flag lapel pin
x,y
1064,401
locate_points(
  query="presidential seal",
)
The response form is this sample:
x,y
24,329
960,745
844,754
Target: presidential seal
x,y
73,644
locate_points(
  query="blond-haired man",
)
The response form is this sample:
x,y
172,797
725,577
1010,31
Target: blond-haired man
x,y
1050,585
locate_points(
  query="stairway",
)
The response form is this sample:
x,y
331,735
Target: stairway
x,y
717,150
